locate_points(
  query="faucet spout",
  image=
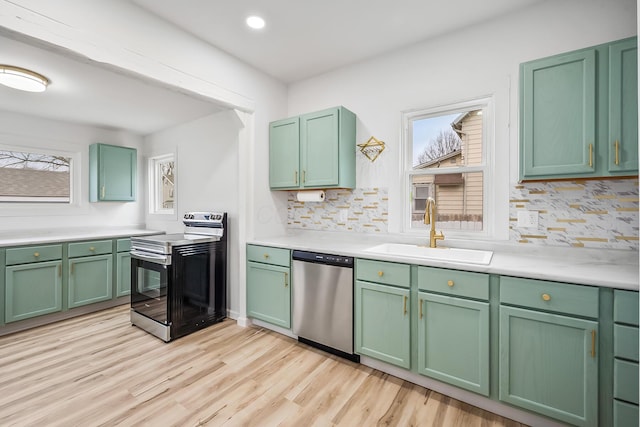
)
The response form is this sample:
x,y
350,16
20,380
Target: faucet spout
x,y
430,218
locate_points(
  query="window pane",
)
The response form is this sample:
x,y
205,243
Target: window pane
x,y
444,141
458,200
34,177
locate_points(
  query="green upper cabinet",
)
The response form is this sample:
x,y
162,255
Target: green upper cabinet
x,y
112,173
623,106
577,110
315,150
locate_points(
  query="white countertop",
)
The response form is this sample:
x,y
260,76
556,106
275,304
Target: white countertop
x,y
40,236
598,267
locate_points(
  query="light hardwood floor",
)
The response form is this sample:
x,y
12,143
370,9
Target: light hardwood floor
x,y
100,370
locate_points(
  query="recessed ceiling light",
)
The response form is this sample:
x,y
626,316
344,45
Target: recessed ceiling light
x,y
255,22
22,79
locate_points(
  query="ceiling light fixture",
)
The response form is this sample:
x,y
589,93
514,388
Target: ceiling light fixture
x,y
22,79
255,22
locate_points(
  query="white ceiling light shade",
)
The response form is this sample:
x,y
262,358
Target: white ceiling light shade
x,y
22,79
255,22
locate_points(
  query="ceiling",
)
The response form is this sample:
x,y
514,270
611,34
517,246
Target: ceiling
x,y
306,38
301,39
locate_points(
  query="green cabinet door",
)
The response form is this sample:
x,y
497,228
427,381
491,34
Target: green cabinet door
x,y
319,148
32,290
623,106
123,271
382,323
462,328
90,280
284,154
112,173
548,364
269,293
558,115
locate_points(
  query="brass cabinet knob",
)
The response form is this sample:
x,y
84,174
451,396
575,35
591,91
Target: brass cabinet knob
x,y
546,297
380,273
36,254
450,283
92,249
266,256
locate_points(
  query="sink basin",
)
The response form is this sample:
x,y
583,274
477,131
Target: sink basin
x,y
466,256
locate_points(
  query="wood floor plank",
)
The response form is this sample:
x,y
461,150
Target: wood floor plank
x,y
98,370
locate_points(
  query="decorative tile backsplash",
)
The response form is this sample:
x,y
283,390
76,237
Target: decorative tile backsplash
x,y
363,210
595,214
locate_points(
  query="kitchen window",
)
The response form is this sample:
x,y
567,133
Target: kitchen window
x,y
35,176
162,188
446,151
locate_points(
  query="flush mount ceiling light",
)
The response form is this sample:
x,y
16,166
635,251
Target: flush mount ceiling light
x,y
255,22
22,79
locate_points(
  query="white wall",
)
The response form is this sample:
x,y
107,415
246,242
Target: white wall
x,y
207,179
478,61
17,130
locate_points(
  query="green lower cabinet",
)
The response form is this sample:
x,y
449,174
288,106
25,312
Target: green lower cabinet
x,y
90,280
32,290
382,323
548,364
269,293
625,414
123,271
453,341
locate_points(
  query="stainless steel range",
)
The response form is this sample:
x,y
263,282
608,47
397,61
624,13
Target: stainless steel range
x,y
179,281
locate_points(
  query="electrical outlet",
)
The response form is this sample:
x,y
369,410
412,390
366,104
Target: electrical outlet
x,y
528,219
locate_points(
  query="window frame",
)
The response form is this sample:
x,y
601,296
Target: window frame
x,y
32,207
154,185
486,167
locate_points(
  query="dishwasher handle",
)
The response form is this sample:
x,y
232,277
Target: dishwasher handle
x,y
318,258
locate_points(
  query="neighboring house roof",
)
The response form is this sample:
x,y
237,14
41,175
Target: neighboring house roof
x,y
34,183
439,159
456,125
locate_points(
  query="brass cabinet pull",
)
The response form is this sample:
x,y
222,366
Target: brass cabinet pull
x,y
593,343
59,270
102,192
36,254
286,279
71,269
295,176
266,256
546,297
404,308
380,273
92,249
304,176
590,155
450,283
617,146
420,307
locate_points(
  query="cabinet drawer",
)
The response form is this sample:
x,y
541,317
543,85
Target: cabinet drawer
x,y
624,414
625,381
267,255
625,307
123,245
625,342
453,282
33,254
388,273
96,247
551,296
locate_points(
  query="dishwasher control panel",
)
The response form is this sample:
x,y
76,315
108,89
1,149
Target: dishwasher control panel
x,y
340,260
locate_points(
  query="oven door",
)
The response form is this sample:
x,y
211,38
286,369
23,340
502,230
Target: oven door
x,y
150,275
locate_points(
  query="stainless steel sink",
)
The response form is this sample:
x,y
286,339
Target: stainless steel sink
x,y
464,256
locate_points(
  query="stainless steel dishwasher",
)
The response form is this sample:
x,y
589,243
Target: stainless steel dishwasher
x,y
322,288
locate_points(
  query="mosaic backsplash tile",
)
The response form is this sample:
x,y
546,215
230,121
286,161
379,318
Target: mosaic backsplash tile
x,y
595,214
362,210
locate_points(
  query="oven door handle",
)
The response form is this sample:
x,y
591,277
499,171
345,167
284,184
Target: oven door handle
x,y
154,258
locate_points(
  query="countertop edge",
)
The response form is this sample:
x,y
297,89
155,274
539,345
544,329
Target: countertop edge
x,y
70,235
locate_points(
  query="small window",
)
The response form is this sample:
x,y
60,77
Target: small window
x,y
445,152
28,176
162,188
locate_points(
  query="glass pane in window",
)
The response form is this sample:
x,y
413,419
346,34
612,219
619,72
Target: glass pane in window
x,y
165,169
34,177
459,201
450,140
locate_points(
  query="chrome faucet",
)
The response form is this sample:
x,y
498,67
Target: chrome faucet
x,y
430,218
